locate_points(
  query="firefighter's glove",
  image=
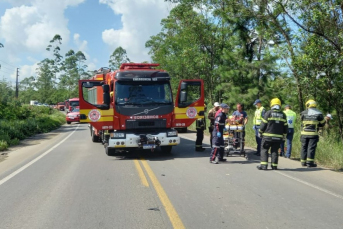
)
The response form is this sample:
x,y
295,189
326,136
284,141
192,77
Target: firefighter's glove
x,y
219,134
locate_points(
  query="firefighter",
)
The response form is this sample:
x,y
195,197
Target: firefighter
x,y
200,127
211,116
311,120
273,130
259,113
291,118
217,152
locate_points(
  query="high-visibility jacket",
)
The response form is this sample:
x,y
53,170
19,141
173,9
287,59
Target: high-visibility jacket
x,y
291,118
311,120
259,113
200,124
274,125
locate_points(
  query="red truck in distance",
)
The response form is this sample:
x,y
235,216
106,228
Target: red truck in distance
x,y
60,106
133,107
70,104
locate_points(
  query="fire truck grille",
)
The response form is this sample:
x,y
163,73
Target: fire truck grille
x,y
140,124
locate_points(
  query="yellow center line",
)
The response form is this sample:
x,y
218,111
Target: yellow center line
x,y
171,212
141,173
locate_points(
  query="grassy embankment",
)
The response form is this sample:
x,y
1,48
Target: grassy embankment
x,y
18,122
329,151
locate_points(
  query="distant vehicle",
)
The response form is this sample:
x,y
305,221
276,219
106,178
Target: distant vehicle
x,y
33,102
73,116
39,104
71,104
60,106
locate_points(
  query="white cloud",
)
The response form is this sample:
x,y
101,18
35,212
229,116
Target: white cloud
x,y
140,20
81,45
30,27
27,71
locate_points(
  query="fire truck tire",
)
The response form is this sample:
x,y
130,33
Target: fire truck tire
x,y
68,122
166,149
110,151
95,138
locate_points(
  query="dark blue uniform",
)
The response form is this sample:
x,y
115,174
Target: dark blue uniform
x,y
218,147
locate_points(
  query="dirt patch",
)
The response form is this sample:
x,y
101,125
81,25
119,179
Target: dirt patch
x,y
3,156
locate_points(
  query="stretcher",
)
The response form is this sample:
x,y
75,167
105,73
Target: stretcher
x,y
233,140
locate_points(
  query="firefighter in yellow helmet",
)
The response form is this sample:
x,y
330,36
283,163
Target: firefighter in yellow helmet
x,y
311,120
200,127
273,130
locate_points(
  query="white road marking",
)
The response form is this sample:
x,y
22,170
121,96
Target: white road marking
x,y
297,179
7,178
311,185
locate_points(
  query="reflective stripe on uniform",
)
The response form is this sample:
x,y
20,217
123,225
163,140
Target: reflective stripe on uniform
x,y
274,164
302,160
263,120
272,135
309,159
277,119
264,163
309,133
310,122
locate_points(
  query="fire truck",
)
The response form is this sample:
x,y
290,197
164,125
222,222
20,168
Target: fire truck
x,y
133,107
72,103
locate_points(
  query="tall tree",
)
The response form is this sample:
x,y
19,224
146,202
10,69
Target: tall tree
x,y
118,57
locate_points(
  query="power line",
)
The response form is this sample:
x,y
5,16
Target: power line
x,y
1,66
7,63
6,71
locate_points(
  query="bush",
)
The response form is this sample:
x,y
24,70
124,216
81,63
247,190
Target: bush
x,y
37,120
3,145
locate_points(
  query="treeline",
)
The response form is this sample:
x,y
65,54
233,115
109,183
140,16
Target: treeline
x,y
249,49
56,78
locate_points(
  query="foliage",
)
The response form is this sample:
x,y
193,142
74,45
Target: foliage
x,y
57,77
117,58
20,121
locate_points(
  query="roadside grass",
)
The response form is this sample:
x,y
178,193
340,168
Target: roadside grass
x,y
329,151
27,121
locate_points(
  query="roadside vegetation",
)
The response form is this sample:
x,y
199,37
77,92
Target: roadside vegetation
x,y
18,122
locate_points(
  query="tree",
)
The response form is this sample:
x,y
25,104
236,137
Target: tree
x,y
118,57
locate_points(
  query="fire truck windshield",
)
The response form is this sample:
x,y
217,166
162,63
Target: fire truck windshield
x,y
74,103
147,93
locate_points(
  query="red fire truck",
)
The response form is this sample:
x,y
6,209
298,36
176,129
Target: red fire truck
x,y
133,107
72,103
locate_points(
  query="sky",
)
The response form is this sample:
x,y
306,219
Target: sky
x,y
95,27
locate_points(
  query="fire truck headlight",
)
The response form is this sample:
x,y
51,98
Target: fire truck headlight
x,y
172,133
117,135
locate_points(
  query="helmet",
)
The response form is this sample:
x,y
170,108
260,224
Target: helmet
x,y
274,102
311,103
216,104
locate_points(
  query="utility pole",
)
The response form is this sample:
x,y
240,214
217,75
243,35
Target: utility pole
x,y
16,84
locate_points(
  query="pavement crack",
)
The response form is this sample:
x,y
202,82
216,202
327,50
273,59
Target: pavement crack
x,y
154,209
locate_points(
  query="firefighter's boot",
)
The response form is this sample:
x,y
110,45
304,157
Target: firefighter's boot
x,y
261,167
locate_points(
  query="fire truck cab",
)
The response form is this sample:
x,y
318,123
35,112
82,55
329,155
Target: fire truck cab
x,y
133,107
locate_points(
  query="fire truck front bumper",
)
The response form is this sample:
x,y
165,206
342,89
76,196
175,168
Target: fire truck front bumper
x,y
145,141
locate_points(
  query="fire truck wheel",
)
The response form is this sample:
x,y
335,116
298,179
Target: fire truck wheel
x,y
95,138
110,151
68,122
166,149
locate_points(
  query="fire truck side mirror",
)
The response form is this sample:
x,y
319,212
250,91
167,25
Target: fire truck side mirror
x,y
183,86
106,94
183,97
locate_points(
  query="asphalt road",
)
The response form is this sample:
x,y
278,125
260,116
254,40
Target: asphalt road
x,y
63,180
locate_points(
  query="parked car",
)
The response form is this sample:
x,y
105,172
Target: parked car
x,y
73,116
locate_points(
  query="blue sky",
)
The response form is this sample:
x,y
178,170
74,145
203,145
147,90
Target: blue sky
x,y
95,27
